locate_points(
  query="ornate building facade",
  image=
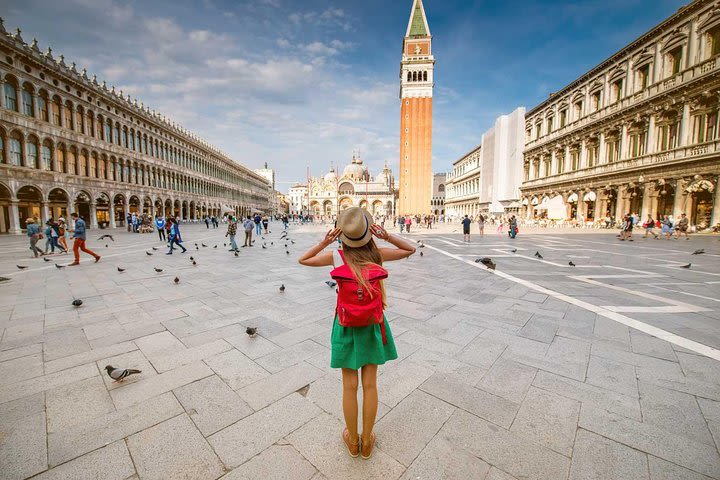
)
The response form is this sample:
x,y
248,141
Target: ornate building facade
x,y
638,133
437,202
354,188
416,93
462,190
69,144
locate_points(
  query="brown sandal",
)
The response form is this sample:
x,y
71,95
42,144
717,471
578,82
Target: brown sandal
x,y
352,448
367,450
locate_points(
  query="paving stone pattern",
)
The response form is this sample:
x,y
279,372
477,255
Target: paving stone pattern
x,y
498,377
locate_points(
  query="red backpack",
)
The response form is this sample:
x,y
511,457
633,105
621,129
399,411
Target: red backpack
x,y
355,307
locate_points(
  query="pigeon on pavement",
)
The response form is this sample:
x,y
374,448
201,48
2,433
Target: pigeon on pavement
x,y
119,374
21,267
120,269
45,259
287,251
252,331
236,254
176,280
571,263
686,266
421,254
59,266
106,236
330,283
154,248
148,253
537,254
203,245
699,251
282,288
77,302
194,262
191,258
487,261
514,250
158,270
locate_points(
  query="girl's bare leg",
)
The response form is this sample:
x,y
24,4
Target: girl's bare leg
x,y
350,402
370,400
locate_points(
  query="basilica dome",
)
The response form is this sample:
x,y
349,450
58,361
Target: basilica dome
x,y
356,170
331,176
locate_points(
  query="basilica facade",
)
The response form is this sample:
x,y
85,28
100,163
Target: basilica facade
x,y
355,187
71,144
639,133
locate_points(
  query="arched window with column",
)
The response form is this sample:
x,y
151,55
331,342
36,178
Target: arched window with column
x,y
90,123
55,107
82,161
60,158
10,92
2,147
93,165
46,156
68,115
124,137
70,158
16,151
80,120
116,134
108,131
42,105
32,152
28,108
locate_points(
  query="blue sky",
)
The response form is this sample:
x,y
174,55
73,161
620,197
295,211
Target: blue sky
x,y
300,83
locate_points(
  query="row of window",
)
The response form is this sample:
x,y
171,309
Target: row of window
x,y
705,128
52,110
673,62
73,163
418,76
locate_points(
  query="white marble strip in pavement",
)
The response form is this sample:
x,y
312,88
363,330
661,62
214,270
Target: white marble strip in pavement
x,y
694,270
688,293
615,316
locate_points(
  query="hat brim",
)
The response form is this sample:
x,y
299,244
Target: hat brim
x,y
359,242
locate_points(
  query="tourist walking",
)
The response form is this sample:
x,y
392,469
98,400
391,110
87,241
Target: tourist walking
x,y
356,342
408,223
160,225
62,234
513,228
501,226
248,226
682,227
401,223
265,222
666,227
257,220
174,236
649,227
79,240
466,222
231,232
481,224
33,233
627,228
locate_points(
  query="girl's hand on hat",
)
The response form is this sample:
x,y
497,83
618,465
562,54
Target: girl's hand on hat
x,y
331,236
380,232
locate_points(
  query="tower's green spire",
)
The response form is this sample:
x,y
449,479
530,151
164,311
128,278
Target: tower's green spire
x,y
418,26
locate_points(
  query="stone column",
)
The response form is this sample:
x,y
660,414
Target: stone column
x,y
68,217
620,203
553,164
93,215
14,214
680,196
716,204
111,213
2,94
601,150
580,213
624,147
45,211
651,135
685,131
126,211
648,196
582,161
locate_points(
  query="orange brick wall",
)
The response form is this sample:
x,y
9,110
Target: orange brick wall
x,y
415,184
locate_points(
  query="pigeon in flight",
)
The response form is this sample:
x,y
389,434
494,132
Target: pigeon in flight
x,y
106,236
77,302
487,261
699,251
330,283
282,288
537,254
45,259
686,266
158,270
571,263
176,280
59,266
148,253
119,374
21,267
251,331
120,269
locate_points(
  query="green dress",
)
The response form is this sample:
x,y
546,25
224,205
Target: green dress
x,y
353,347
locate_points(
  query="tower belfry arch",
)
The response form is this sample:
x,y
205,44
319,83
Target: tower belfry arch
x,y
416,92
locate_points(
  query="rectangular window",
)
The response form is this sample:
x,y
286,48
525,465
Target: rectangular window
x,y
563,118
67,113
107,132
93,167
101,169
561,162
577,107
46,158
79,122
32,155
574,159
27,103
643,77
56,113
595,101
550,121
124,139
15,152
675,57
116,135
70,163
42,105
10,97
617,91
592,155
714,38
538,130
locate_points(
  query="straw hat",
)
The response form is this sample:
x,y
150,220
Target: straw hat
x,y
30,220
355,224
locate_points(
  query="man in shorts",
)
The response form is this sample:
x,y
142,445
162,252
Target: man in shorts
x,y
682,227
466,222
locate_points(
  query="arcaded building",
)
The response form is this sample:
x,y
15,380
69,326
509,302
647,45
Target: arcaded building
x,y
71,144
638,133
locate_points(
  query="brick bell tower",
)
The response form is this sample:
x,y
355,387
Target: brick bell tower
x,y
416,91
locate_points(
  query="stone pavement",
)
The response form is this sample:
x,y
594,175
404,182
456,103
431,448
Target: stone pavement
x,y
537,371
